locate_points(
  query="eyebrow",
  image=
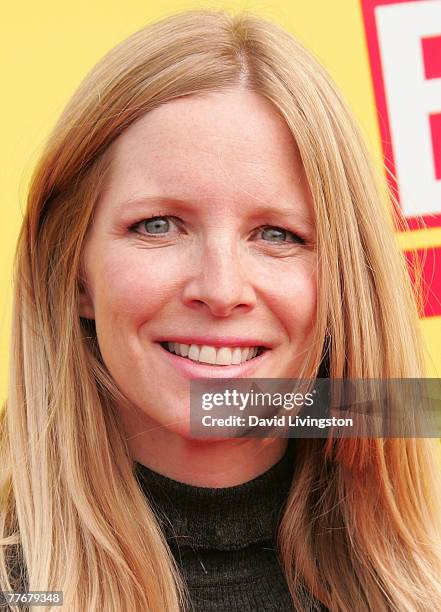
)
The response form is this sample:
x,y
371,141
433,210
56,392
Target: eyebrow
x,y
188,205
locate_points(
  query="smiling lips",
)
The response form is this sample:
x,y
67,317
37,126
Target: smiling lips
x,y
223,355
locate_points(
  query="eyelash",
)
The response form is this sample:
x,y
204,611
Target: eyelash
x,y
138,223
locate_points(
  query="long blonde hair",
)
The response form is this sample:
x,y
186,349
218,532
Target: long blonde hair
x,y
361,528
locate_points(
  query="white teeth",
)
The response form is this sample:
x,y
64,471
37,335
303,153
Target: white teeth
x,y
193,353
207,354
236,356
224,356
183,349
211,355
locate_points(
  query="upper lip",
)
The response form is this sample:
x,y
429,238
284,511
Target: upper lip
x,y
217,341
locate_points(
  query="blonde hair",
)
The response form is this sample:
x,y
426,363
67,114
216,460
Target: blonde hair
x,y
361,528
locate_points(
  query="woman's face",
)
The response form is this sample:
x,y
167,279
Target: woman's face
x,y
230,260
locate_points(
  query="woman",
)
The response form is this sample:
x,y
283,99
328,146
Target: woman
x,y
184,197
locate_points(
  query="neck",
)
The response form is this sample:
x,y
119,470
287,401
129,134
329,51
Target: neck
x,y
203,463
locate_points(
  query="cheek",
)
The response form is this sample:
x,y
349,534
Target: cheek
x,y
295,302
130,289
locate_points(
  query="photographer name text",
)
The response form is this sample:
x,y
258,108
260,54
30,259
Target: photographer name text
x,y
283,420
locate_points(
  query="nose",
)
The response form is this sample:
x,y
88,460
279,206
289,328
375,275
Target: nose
x,y
221,281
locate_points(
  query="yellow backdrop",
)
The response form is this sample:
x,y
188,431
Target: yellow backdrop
x,y
49,46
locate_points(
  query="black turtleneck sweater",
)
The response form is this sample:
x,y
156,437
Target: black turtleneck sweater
x,y
223,539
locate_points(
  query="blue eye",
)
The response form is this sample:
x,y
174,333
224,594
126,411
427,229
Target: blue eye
x,y
156,225
278,234
159,225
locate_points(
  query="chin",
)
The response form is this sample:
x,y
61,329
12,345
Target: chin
x,y
195,439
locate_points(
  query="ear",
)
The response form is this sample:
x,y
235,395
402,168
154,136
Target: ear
x,y
85,306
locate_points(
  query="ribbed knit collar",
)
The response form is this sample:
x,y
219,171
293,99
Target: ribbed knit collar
x,y
227,518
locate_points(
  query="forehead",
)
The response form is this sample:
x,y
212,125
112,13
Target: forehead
x,y
223,146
